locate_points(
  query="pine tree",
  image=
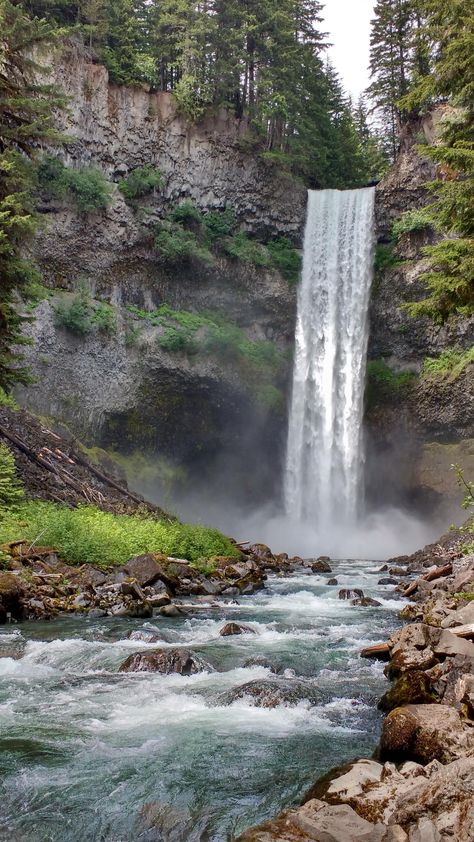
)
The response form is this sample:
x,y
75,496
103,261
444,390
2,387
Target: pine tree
x,y
11,490
25,121
449,29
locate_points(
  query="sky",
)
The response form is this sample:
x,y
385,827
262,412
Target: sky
x,y
348,25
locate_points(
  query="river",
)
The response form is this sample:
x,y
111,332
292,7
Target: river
x,y
88,753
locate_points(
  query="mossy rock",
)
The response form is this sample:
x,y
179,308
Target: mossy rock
x,y
412,687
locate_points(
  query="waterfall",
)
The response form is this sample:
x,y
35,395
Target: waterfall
x,y
324,470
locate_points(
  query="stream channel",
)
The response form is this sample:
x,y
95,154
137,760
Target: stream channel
x,y
90,754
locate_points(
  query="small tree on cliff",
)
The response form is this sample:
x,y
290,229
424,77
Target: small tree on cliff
x,y
26,107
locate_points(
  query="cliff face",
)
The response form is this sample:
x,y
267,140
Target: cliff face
x,y
417,428
203,409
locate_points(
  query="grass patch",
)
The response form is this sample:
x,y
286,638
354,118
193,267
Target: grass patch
x,y
449,365
88,535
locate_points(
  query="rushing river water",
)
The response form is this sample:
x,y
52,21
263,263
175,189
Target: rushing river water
x,y
91,754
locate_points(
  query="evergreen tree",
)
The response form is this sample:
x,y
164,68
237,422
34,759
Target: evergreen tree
x,y
449,30
25,121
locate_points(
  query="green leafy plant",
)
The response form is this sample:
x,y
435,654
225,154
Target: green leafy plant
x,y
140,182
450,363
413,220
87,187
88,535
186,212
11,490
241,247
384,258
219,224
7,400
176,244
81,315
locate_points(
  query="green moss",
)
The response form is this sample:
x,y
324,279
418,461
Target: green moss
x,y
88,535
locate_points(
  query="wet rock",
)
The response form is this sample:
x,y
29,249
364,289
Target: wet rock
x,y
249,583
166,661
145,569
144,635
172,610
95,613
388,580
230,592
412,687
262,552
11,598
261,661
366,602
452,680
269,693
424,733
236,628
320,565
317,821
332,582
132,608
81,601
159,599
351,593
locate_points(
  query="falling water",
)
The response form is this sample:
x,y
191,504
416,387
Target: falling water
x,y
325,444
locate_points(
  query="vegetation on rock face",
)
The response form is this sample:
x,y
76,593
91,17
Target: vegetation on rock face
x,y
384,385
26,120
140,182
450,363
81,315
422,55
88,535
86,187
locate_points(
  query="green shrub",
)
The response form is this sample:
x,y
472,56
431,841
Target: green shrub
x,y
191,97
89,535
450,363
75,315
241,247
186,212
11,490
412,220
177,245
82,316
384,385
89,189
219,224
87,186
285,258
7,400
140,182
104,317
176,339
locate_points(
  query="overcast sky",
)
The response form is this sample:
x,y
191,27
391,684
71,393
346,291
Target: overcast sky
x,y
348,25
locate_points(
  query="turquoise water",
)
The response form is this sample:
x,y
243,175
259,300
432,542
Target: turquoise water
x,y
90,754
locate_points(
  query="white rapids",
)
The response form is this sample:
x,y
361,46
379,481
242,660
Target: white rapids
x,y
325,442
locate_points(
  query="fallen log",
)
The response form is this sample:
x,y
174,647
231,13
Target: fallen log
x,y
431,576
381,652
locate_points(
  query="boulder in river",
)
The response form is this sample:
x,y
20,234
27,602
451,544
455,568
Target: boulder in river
x,y
261,661
145,635
269,693
235,628
410,688
365,602
319,565
424,733
351,593
145,569
166,661
332,582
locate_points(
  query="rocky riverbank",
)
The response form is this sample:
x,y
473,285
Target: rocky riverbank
x,y
419,785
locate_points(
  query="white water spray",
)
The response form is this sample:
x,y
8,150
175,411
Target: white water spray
x,y
325,457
